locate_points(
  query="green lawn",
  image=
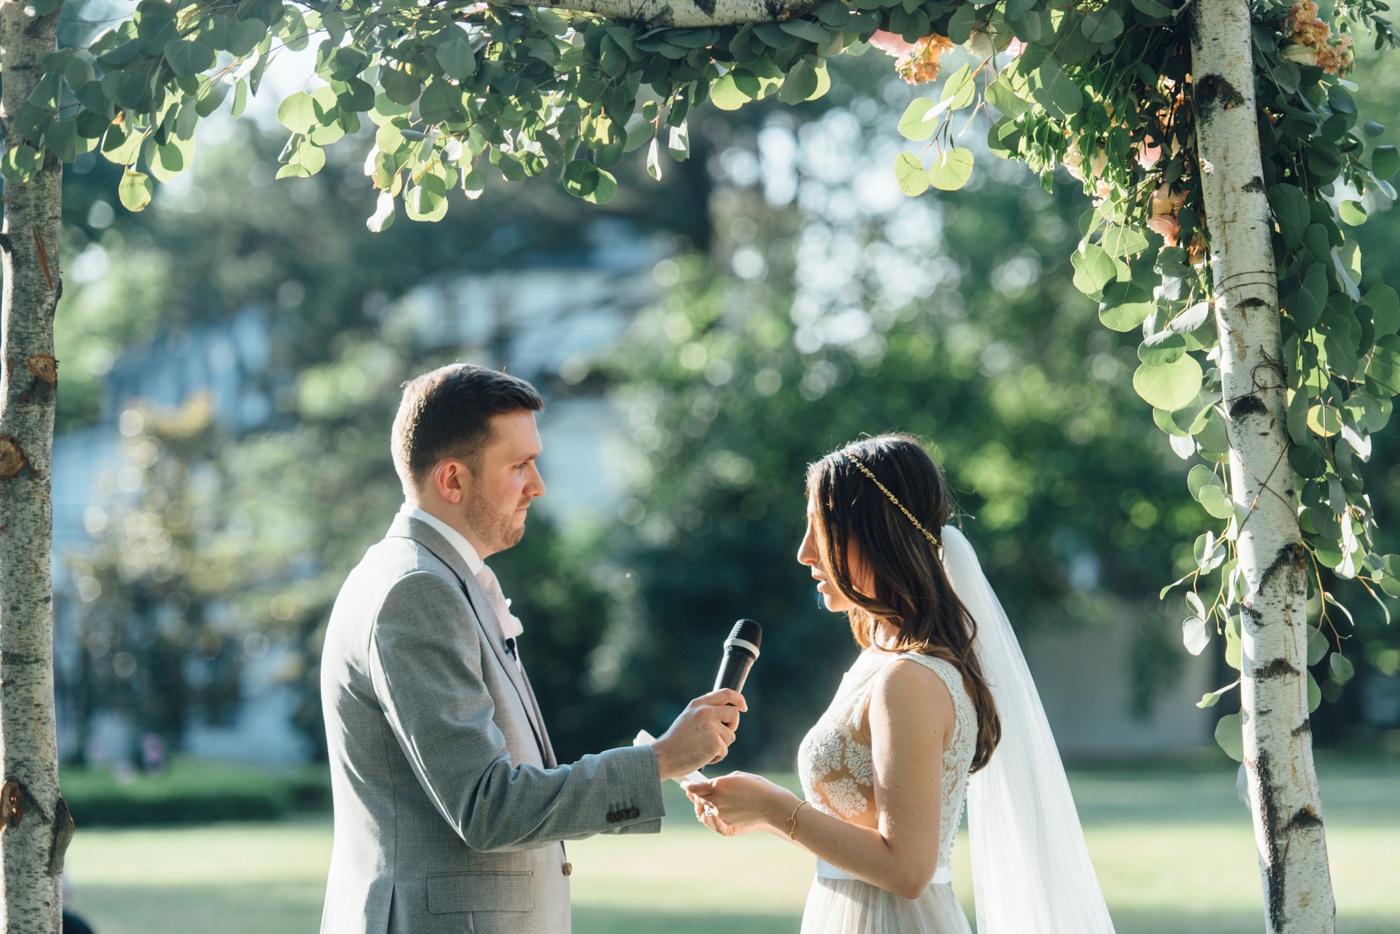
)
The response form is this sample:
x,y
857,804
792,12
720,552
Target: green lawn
x,y
1173,847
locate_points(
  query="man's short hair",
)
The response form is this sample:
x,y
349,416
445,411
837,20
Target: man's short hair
x,y
447,412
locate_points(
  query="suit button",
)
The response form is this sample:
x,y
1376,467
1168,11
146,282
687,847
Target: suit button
x,y
568,869
634,813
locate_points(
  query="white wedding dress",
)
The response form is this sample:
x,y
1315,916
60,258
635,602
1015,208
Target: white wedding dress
x,y
834,763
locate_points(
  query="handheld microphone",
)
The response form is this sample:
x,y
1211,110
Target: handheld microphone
x,y
740,651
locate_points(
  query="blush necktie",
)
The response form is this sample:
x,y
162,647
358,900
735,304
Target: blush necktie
x,y
510,625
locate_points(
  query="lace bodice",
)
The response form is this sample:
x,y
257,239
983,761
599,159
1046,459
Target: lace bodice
x,y
834,760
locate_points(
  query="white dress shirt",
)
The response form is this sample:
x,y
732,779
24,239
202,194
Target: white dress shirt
x,y
511,627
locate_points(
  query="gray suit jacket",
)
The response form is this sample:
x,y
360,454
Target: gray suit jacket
x,y
450,810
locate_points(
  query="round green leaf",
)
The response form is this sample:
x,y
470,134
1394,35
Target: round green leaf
x,y
188,56
1324,420
297,113
135,190
427,201
1383,369
909,174
1169,386
1160,349
605,189
1352,212
1229,735
726,94
951,170
1102,25
457,58
1341,668
1214,501
1385,161
1124,318
920,120
1199,477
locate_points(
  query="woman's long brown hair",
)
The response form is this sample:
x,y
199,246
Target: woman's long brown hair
x,y
903,567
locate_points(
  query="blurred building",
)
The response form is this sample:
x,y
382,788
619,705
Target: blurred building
x,y
545,321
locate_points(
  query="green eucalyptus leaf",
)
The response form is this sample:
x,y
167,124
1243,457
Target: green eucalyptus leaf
x,y
1094,268
1306,304
1352,213
188,56
1291,209
135,190
1341,668
1385,162
1102,25
457,58
1317,646
1229,736
1171,386
1314,693
1324,420
297,112
426,201
920,119
909,174
1162,348
1383,368
1384,304
960,90
1199,477
1215,501
951,170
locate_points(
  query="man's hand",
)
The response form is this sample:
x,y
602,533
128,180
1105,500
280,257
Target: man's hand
x,y
701,734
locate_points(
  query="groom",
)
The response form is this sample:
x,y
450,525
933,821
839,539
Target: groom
x,y
450,809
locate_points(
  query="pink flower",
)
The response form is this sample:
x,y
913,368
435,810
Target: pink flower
x,y
1015,47
1149,153
1166,225
891,44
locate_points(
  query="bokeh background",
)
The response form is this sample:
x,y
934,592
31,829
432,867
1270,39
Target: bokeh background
x,y
232,360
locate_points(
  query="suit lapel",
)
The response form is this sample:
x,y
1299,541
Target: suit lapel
x,y
486,620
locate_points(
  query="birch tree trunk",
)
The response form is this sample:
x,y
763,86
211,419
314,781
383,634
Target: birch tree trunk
x,y
1278,758
36,825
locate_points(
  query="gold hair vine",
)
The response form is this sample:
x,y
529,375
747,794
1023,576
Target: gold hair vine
x,y
892,498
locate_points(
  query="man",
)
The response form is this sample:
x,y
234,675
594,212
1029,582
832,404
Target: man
x,y
450,809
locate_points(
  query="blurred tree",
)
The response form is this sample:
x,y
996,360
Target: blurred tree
x,y
981,345
158,642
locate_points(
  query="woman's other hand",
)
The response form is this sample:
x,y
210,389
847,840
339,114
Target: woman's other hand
x,y
741,802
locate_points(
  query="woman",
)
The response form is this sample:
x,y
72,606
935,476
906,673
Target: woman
x,y
939,693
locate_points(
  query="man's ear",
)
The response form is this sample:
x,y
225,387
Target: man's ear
x,y
449,480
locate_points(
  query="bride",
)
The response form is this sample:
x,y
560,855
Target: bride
x,y
938,707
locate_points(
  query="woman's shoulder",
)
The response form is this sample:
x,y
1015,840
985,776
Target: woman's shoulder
x,y
915,687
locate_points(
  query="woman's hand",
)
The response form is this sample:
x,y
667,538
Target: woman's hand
x,y
741,803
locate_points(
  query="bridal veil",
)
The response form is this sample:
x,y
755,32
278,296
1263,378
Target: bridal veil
x,y
1031,872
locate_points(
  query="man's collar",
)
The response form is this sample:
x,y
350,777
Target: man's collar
x,y
454,538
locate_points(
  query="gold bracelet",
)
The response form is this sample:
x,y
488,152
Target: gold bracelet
x,y
792,820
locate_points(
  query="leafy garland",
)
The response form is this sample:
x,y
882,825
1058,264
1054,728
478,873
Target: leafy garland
x,y
1102,88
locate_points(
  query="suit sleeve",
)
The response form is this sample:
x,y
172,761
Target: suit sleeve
x,y
425,666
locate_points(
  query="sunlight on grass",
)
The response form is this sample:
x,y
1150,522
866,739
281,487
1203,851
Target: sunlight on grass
x,y
1174,850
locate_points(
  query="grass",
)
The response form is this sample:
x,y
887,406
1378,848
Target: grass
x,y
1173,847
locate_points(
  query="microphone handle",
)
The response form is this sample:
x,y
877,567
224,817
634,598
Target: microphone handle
x,y
734,670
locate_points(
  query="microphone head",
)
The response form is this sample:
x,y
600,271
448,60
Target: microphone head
x,y
746,630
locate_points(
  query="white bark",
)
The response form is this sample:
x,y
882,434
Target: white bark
x,y
680,13
33,841
1283,789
